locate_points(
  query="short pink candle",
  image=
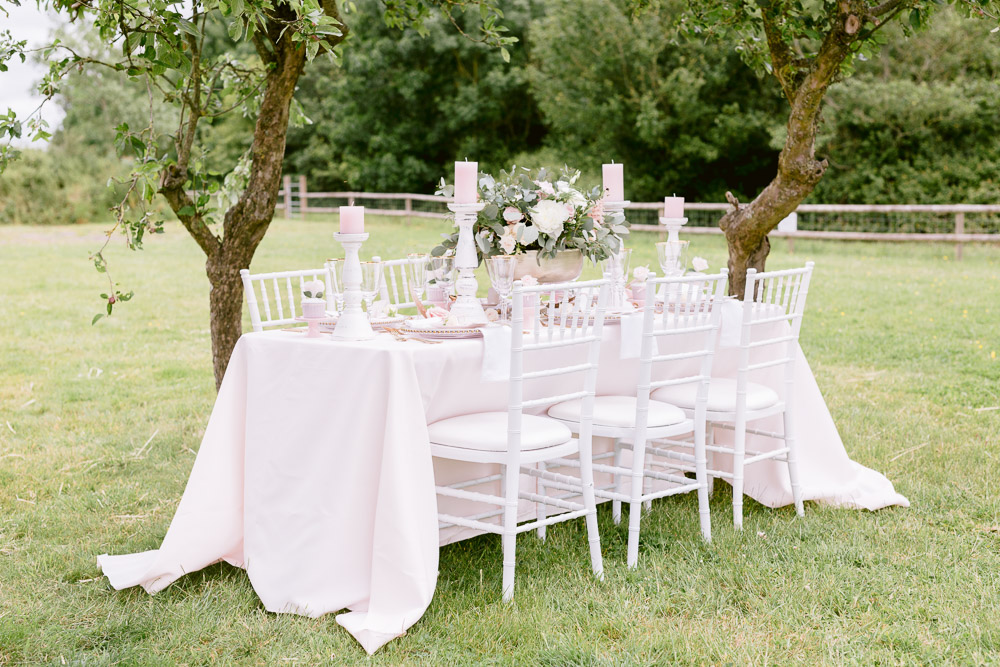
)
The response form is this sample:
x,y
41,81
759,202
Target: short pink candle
x,y
673,207
614,182
352,219
466,181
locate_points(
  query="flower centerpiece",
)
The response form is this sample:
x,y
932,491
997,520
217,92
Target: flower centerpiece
x,y
313,304
543,218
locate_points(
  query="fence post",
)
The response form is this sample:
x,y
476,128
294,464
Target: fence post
x,y
303,199
287,182
408,207
959,229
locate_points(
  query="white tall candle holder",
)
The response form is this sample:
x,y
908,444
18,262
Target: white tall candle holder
x,y
353,323
618,277
673,226
467,306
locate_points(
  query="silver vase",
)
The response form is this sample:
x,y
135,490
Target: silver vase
x,y
565,266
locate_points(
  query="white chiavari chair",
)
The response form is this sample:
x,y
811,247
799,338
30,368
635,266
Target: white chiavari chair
x,y
678,345
284,288
770,299
555,360
395,288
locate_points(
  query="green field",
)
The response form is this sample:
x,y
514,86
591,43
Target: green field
x,y
99,427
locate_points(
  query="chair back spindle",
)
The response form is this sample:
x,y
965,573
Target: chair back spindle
x,y
284,287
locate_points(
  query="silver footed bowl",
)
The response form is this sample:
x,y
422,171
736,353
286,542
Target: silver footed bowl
x,y
565,266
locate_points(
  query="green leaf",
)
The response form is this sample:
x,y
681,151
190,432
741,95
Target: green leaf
x,y
96,317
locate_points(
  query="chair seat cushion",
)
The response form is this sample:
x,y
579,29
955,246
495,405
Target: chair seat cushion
x,y
487,431
618,411
721,395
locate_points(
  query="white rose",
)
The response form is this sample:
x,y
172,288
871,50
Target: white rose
x,y
562,186
699,264
529,281
641,273
549,215
546,187
577,199
508,243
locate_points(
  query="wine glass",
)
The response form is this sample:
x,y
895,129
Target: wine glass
x,y
417,272
337,278
371,282
501,270
617,265
442,269
672,256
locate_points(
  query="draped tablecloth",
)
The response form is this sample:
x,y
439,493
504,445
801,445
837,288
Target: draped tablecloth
x,y
315,473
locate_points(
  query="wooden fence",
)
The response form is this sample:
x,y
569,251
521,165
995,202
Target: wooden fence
x,y
295,201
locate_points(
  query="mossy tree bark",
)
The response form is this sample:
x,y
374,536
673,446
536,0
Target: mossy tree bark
x,y
804,82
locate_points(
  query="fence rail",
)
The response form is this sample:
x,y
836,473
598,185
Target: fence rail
x,y
939,223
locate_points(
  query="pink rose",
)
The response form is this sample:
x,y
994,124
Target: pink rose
x,y
437,311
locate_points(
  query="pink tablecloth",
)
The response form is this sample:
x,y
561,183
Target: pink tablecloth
x,y
315,474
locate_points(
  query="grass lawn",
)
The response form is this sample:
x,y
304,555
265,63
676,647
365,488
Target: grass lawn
x,y
99,427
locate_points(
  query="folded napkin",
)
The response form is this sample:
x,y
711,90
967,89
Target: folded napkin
x,y
496,353
732,322
631,336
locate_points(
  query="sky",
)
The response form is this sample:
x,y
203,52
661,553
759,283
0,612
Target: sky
x,y
17,85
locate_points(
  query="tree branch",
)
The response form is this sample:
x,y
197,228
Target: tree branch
x,y
782,58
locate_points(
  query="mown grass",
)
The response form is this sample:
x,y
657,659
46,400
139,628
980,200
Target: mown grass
x,y
903,341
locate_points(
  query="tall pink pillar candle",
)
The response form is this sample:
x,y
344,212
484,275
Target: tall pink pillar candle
x,y
673,207
352,219
466,180
614,182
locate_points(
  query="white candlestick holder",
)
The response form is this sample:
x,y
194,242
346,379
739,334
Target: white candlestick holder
x,y
467,306
353,323
618,277
673,226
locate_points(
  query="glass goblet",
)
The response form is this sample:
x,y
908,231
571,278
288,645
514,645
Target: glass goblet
x,y
371,283
441,269
501,269
672,256
617,265
416,268
337,280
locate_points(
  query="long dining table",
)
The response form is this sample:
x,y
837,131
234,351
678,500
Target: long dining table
x,y
315,473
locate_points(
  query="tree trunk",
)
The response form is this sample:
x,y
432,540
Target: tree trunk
x,y
225,310
746,227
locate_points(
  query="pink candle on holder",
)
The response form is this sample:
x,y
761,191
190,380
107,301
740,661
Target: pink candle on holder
x,y
352,219
614,182
466,182
673,207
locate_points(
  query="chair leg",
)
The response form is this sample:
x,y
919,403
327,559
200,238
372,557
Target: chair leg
x,y
635,505
616,505
509,538
701,473
739,453
647,482
541,509
710,440
793,463
590,503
